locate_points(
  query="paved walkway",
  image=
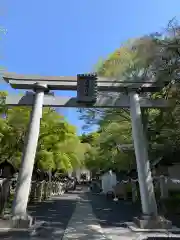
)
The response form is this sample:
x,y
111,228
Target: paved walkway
x,y
83,223
79,215
52,217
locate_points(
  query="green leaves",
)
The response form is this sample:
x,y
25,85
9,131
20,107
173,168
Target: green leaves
x,y
58,148
45,160
153,57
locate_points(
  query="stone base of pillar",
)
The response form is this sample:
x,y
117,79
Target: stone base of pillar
x,y
151,222
22,222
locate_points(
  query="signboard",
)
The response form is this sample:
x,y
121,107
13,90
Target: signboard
x,y
87,88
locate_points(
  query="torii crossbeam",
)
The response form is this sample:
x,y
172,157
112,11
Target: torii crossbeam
x,y
121,100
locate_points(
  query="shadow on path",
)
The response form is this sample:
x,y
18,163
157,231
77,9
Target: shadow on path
x,y
55,214
111,213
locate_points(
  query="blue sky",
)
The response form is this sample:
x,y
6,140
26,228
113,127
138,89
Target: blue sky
x,y
66,37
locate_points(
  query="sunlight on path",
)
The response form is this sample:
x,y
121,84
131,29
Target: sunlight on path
x,y
84,225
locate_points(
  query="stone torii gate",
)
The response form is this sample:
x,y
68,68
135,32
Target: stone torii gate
x,y
128,97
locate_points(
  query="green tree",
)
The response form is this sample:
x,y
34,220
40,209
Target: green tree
x,y
59,146
153,57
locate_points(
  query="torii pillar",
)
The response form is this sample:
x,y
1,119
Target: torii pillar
x,y
149,218
19,211
148,201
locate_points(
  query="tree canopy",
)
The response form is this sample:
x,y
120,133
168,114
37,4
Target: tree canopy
x,y
152,57
59,147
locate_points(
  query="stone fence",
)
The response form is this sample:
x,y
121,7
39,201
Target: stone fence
x,y
161,184
43,190
40,191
